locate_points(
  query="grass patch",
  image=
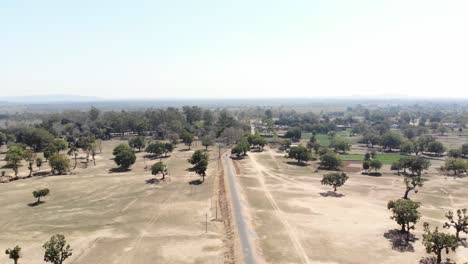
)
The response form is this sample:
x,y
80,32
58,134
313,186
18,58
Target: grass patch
x,y
324,140
384,158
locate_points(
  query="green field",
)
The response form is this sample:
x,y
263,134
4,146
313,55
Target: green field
x,y
385,158
324,140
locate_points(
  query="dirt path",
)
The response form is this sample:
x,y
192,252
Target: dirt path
x,y
262,172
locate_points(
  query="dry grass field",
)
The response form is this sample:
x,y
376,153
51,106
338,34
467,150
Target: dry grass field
x,y
116,217
297,221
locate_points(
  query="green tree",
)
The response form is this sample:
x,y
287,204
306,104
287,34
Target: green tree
x,y
14,157
59,163
30,158
137,142
435,147
237,150
330,161
201,167
294,134
57,250
124,156
39,163
207,141
73,151
417,164
366,165
435,242
197,156
49,151
168,148
187,138
285,144
60,144
155,148
334,179
340,145
40,193
159,167
464,150
412,183
299,153
454,153
460,224
405,213
14,254
408,147
456,165
375,164
391,140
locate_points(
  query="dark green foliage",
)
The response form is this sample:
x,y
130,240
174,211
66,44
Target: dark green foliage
x,y
334,179
375,164
454,153
435,147
14,156
40,193
159,167
256,141
391,140
330,161
14,254
415,164
285,144
408,147
197,156
200,160
436,242
405,213
464,150
59,163
124,156
340,145
137,142
207,141
49,151
299,153
294,134
460,224
56,249
187,138
456,165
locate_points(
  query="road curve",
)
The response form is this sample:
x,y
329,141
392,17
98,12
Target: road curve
x,y
242,229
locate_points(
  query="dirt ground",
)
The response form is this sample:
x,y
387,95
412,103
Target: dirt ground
x,y
116,217
297,221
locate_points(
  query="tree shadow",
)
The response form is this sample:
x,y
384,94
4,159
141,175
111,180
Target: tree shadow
x,y
152,181
36,203
373,174
331,194
118,170
195,182
398,240
41,173
184,150
300,164
433,260
237,158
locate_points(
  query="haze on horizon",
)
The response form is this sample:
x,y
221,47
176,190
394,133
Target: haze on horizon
x,y
239,49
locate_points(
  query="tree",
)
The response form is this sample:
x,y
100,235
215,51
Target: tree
x,y
294,134
408,147
168,147
187,138
137,142
335,179
13,157
435,242
60,144
207,141
73,151
257,141
412,183
237,150
14,254
330,161
442,130
197,156
435,147
365,165
300,153
30,157
416,164
159,167
405,212
464,150
423,141
49,151
201,167
370,138
460,225
59,163
40,193
375,164
57,250
340,144
124,156
37,139
454,153
39,163
285,144
456,165
155,148
391,140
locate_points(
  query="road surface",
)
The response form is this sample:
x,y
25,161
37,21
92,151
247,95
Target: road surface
x,y
244,234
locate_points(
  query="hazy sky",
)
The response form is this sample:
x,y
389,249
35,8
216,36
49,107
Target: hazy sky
x,y
220,48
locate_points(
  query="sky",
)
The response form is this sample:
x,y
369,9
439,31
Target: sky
x,y
234,49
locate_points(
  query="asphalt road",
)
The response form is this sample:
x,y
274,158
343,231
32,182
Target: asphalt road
x,y
244,234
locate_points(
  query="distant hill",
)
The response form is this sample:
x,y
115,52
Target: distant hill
x,y
40,99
